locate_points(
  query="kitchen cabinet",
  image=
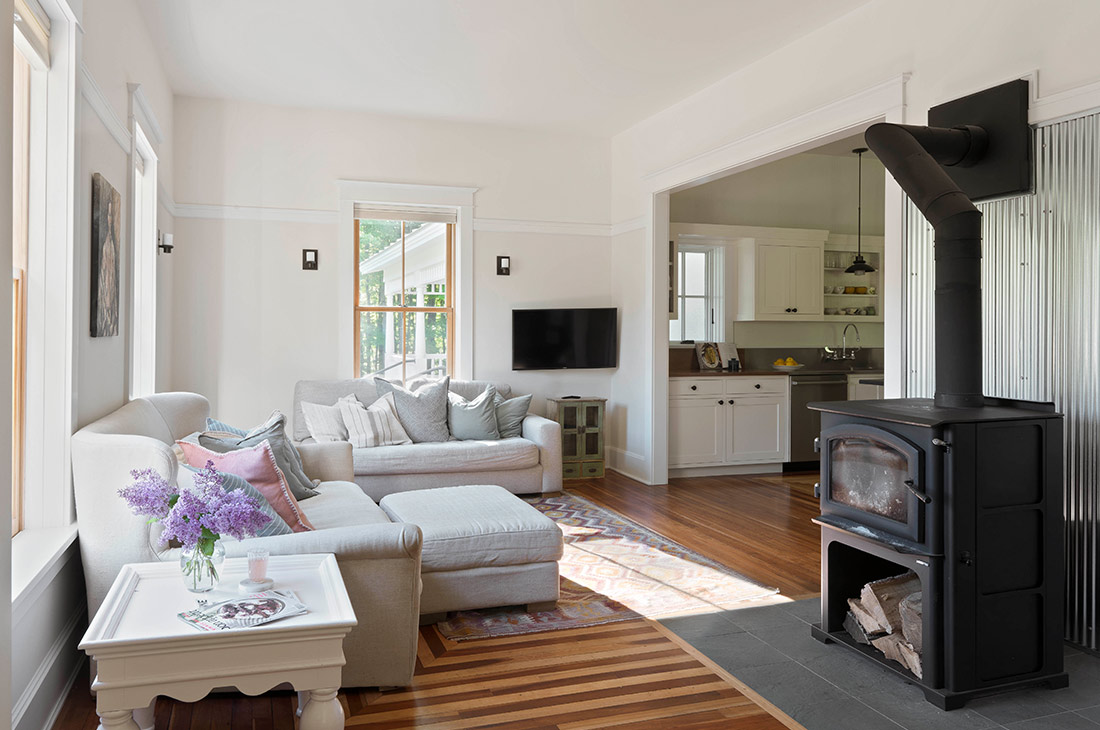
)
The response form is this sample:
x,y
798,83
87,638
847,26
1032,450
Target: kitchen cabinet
x,y
734,420
863,391
780,280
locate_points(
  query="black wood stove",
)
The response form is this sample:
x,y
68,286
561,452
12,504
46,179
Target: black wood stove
x,y
963,490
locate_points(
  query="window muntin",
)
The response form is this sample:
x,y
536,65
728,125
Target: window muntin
x,y
404,308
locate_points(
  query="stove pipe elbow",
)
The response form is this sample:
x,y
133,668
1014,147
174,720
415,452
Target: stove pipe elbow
x,y
914,156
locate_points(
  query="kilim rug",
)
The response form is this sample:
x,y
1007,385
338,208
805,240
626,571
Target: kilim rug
x,y
613,570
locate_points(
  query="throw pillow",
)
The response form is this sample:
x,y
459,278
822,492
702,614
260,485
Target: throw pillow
x,y
324,423
231,481
473,419
256,465
213,424
373,425
423,413
510,415
287,456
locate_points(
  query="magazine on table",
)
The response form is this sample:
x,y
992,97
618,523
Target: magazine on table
x,y
245,611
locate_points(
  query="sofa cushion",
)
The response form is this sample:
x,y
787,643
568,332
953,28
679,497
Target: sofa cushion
x,y
475,526
468,389
342,504
473,419
273,430
373,425
326,393
510,414
446,456
324,423
423,413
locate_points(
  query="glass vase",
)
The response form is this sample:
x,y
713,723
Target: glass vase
x,y
201,567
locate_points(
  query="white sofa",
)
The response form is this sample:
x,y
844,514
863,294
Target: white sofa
x,y
530,464
379,559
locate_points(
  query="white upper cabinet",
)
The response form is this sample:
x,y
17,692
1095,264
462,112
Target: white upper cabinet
x,y
780,280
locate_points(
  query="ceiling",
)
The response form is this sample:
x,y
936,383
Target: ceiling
x,y
587,66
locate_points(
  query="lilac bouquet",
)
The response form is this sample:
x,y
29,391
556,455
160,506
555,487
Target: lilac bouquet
x,y
196,518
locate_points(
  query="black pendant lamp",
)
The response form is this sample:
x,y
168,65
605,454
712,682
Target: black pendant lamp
x,y
859,266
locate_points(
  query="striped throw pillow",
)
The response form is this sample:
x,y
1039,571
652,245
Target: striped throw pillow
x,y
325,423
374,425
213,424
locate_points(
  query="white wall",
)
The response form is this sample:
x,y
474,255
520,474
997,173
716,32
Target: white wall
x,y
983,44
801,191
256,322
6,9
116,50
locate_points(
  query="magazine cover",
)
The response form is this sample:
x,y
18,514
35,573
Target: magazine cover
x,y
244,611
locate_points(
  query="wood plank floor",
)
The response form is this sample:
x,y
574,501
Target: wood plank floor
x,y
633,675
758,525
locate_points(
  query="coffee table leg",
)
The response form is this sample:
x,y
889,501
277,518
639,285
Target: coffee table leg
x,y
323,711
118,720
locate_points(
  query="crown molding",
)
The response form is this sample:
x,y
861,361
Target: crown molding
x,y
90,90
142,110
552,228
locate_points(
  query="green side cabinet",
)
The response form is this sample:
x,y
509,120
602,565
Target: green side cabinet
x,y
582,442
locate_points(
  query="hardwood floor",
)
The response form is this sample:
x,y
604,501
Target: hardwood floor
x,y
758,525
633,675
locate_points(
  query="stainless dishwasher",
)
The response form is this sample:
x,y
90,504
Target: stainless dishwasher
x,y
806,424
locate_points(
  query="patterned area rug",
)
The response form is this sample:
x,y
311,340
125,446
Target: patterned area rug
x,y
613,570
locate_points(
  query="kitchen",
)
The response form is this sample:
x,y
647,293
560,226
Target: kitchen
x,y
776,271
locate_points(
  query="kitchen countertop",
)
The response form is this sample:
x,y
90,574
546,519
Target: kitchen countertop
x,y
870,372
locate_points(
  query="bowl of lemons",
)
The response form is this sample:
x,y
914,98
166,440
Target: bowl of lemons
x,y
787,365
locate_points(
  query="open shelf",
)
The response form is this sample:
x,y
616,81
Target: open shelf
x,y
861,296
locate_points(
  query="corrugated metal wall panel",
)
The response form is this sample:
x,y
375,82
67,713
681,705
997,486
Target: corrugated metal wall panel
x,y
1041,300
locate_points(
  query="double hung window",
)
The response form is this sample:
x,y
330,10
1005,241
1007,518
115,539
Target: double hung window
x,y
404,292
699,295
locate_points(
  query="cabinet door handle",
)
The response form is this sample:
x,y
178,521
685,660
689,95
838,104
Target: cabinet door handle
x,y
695,387
795,309
721,403
731,402
788,309
757,386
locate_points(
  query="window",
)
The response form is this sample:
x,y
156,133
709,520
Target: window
x,y
699,295
404,294
21,157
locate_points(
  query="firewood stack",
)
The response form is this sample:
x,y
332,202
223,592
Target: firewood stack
x,y
887,615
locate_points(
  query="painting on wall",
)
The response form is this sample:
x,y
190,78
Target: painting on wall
x,y
106,252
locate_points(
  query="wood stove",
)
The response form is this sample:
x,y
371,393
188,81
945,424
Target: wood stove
x,y
963,490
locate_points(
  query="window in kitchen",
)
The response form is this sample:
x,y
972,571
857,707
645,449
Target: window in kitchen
x,y
700,312
404,302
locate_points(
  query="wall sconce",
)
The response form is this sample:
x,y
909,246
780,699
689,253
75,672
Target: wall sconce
x,y
309,259
504,265
165,244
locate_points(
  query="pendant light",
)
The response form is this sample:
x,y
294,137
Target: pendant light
x,y
859,266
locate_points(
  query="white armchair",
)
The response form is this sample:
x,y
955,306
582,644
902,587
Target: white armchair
x,y
379,560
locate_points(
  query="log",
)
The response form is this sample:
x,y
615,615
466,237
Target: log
x,y
911,658
912,621
856,630
888,645
865,619
881,598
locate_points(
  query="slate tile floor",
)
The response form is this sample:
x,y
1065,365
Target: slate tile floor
x,y
827,687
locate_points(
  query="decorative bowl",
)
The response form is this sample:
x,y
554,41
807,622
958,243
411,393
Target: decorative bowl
x,y
787,368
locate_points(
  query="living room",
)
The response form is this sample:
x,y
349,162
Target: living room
x,y
226,157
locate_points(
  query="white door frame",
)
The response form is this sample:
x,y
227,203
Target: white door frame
x,y
842,118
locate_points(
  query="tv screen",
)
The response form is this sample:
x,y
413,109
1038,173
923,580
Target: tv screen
x,y
551,339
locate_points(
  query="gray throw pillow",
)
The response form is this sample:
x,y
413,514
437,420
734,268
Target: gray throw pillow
x,y
510,415
473,420
423,413
287,457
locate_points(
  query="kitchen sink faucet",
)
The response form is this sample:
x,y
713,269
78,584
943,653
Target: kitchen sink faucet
x,y
832,354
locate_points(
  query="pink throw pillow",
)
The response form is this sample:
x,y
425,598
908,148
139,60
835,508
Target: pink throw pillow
x,y
256,465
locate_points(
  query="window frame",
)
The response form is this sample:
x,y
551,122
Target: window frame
x,y
143,258
404,309
713,296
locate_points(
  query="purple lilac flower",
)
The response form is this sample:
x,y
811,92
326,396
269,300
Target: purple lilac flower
x,y
149,495
186,520
237,514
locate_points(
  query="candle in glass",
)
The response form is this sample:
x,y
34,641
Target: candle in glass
x,y
257,565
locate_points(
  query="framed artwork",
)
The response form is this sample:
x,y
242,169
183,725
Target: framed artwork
x,y
710,357
106,252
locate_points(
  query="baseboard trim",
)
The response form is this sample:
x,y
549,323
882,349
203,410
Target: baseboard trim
x,y
66,639
725,470
627,463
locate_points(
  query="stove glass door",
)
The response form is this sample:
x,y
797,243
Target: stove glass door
x,y
869,476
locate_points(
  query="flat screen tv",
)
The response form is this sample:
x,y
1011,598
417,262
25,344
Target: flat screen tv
x,y
552,339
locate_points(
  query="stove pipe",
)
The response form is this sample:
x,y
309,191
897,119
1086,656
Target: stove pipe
x,y
914,156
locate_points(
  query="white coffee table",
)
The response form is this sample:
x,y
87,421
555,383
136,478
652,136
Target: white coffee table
x,y
142,649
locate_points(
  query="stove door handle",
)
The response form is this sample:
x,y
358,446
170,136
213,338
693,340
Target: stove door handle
x,y
912,487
